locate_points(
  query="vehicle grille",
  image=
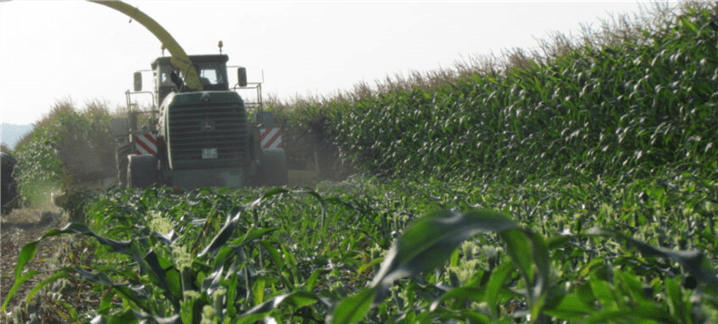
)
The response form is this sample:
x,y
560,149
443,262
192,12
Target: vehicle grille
x,y
228,134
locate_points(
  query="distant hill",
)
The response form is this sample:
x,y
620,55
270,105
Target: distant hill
x,y
12,134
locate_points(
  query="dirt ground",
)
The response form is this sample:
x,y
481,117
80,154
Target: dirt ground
x,y
25,225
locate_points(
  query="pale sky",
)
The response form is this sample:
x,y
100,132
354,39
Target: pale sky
x,y
50,50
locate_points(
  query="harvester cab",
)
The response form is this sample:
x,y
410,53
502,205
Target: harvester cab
x,y
211,69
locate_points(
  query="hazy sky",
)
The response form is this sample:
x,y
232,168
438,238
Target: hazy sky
x,y
50,50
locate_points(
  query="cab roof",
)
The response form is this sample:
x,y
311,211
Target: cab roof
x,y
220,58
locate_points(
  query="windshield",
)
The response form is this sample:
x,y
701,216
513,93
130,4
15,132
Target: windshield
x,y
213,76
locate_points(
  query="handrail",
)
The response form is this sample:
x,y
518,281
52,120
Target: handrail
x,y
128,93
252,85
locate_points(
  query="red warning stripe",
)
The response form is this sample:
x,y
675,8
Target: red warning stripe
x,y
145,144
271,138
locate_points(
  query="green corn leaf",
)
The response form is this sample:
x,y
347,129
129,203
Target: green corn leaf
x,y
252,234
63,274
18,282
474,316
541,258
211,282
222,237
276,257
124,317
106,301
265,196
26,254
299,299
597,262
632,315
175,319
258,290
688,25
460,294
291,261
125,291
224,254
694,262
311,282
585,293
454,260
518,247
354,308
127,316
411,317
605,293
369,265
496,283
231,285
321,233
295,299
460,316
158,274
166,238
630,286
77,228
570,307
675,299
429,241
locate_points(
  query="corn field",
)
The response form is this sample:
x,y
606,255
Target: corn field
x,y
583,189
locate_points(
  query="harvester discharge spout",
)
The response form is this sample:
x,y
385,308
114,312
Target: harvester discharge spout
x,y
179,59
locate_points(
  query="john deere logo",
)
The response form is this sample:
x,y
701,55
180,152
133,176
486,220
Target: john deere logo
x,y
206,125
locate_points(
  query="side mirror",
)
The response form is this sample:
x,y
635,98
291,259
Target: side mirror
x,y
138,81
242,76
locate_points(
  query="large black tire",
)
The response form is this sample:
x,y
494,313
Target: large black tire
x,y
273,168
9,185
122,158
142,171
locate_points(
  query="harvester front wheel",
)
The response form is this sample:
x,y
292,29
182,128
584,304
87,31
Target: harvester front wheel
x,y
273,168
122,157
142,171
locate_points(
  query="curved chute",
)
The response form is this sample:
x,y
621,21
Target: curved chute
x,y
179,58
